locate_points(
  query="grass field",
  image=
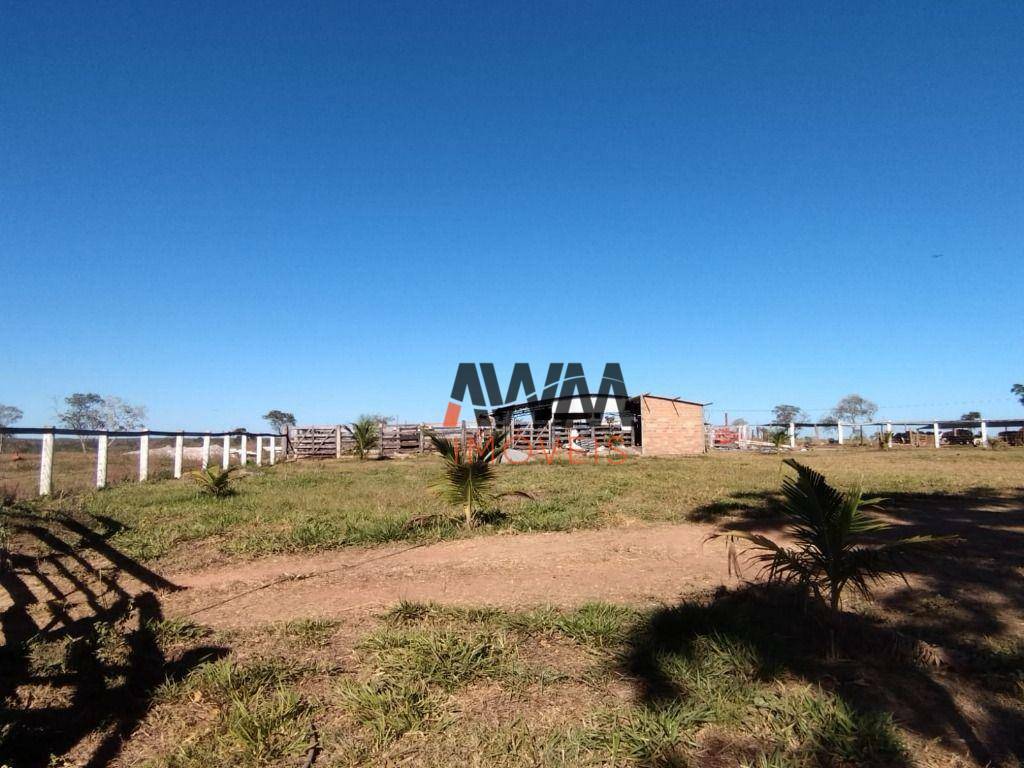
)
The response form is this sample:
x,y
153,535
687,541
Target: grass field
x,y
305,506
927,675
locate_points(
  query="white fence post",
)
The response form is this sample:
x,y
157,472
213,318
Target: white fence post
x,y
206,451
792,435
839,431
46,465
337,441
225,459
984,434
935,432
243,457
144,457
259,450
380,432
179,450
101,461
273,451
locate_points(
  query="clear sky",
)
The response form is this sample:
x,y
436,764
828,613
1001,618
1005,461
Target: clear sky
x,y
216,209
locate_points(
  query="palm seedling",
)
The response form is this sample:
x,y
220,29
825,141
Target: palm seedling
x,y
778,438
829,552
215,481
468,472
366,435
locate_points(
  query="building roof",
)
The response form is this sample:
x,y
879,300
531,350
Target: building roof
x,y
673,399
534,405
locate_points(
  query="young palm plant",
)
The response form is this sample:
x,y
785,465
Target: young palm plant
x,y
215,481
468,473
828,527
778,438
366,435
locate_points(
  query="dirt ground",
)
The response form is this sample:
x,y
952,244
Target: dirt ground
x,y
640,564
67,580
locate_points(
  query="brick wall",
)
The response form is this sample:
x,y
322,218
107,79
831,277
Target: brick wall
x,y
671,428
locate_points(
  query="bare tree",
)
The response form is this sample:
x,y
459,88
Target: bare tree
x,y
8,415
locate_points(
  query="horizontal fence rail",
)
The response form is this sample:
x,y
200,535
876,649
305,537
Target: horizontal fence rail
x,y
914,432
266,446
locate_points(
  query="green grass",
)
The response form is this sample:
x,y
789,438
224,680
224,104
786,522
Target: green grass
x,y
309,506
712,681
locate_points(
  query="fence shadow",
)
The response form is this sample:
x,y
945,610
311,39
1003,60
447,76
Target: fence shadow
x,y
82,658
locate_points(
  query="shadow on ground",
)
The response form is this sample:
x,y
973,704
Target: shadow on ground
x,y
81,659
965,603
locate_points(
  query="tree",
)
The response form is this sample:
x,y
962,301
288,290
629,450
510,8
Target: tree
x,y
8,415
87,410
119,416
279,419
854,408
84,411
827,528
1018,390
971,416
784,414
739,422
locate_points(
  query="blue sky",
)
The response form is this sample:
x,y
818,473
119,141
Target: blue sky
x,y
216,209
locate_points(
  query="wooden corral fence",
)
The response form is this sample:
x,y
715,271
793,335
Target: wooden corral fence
x,y
895,432
335,441
265,445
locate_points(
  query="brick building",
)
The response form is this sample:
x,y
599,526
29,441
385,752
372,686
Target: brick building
x,y
667,426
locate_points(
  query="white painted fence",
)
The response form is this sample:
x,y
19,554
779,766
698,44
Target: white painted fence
x,y
272,442
919,433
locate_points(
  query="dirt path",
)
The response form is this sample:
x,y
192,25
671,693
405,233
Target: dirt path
x,y
636,564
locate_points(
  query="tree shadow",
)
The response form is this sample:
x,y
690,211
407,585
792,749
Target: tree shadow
x,y
82,658
739,507
965,602
740,645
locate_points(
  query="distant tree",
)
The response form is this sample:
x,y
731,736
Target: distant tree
x,y
1018,390
87,410
279,419
8,415
84,411
971,416
119,416
740,422
854,408
783,414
